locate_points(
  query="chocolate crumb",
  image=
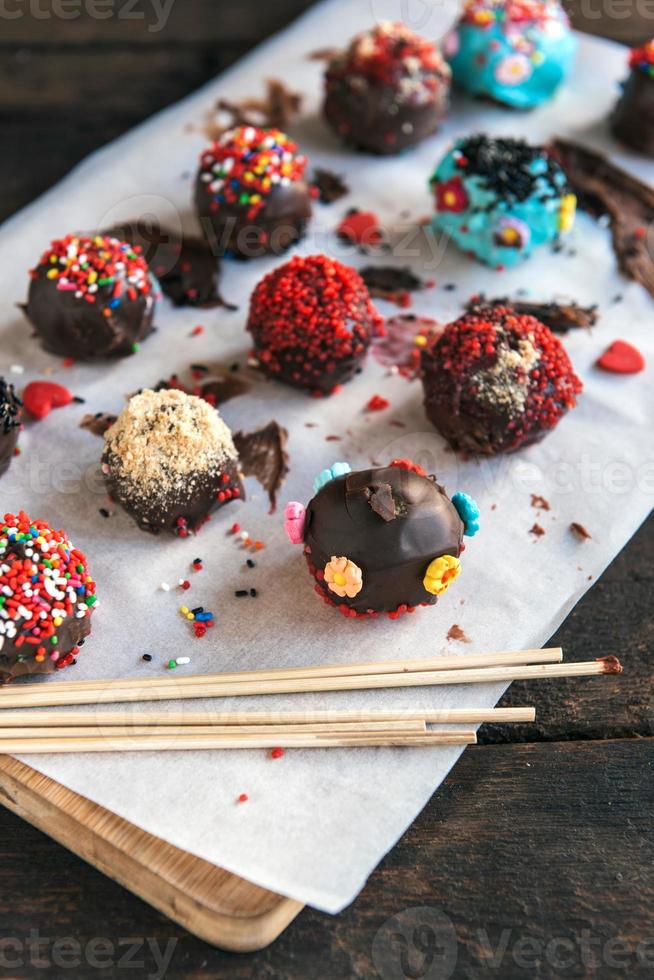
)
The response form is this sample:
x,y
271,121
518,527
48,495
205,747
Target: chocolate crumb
x,y
330,186
98,423
537,530
539,502
456,633
580,530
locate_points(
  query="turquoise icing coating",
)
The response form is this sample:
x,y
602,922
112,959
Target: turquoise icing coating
x,y
468,511
514,51
500,221
325,476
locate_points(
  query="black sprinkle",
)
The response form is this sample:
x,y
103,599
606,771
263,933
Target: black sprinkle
x,y
199,367
198,609
253,593
80,643
617,298
250,563
104,512
147,657
449,287
240,593
504,166
78,400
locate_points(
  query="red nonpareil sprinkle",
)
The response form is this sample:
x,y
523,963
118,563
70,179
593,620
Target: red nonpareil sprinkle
x,y
40,397
308,316
360,227
68,362
277,753
185,584
196,331
235,528
243,798
407,464
377,404
245,164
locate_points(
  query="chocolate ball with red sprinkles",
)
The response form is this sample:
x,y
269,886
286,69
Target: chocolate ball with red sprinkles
x,y
169,461
388,90
495,381
251,195
11,411
47,597
91,297
312,322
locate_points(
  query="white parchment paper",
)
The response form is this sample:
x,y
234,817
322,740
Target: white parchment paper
x,y
317,822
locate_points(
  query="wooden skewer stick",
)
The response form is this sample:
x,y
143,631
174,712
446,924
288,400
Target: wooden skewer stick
x,y
34,717
462,662
174,731
40,695
293,740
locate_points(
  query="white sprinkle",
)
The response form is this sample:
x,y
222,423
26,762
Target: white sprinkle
x,y
182,660
17,369
164,587
244,535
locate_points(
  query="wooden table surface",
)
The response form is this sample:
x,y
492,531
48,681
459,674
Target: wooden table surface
x,y
536,857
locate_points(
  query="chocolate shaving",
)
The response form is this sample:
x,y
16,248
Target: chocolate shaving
x,y
323,54
456,633
604,189
537,530
330,186
263,455
539,502
559,317
221,387
389,283
186,268
382,501
579,530
97,424
276,110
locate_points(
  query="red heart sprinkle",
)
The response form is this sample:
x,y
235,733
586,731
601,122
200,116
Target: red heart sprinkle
x,y
621,358
40,397
361,227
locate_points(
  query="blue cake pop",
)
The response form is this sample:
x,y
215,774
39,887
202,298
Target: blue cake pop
x,y
500,198
513,51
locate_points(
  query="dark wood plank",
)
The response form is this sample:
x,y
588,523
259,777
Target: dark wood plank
x,y
541,843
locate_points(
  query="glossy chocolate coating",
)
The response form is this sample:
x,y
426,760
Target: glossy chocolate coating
x,y
14,663
154,514
392,554
71,327
633,117
371,119
10,419
279,224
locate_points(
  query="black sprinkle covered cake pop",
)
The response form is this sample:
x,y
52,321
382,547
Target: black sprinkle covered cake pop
x,y
11,410
169,461
495,381
633,117
383,540
48,597
311,322
250,193
387,91
91,297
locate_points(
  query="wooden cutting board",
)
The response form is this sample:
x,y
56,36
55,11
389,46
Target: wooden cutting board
x,y
220,907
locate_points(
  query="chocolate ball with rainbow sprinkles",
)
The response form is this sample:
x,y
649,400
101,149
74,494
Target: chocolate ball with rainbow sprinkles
x,y
47,597
381,541
90,297
515,52
251,195
500,198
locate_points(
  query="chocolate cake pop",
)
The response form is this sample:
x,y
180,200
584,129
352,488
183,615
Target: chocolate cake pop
x,y
387,91
91,297
516,52
312,321
47,598
250,193
169,461
10,419
633,117
495,381
500,198
383,540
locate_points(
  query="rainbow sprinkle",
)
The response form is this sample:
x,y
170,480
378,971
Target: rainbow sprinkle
x,y
97,268
246,164
43,581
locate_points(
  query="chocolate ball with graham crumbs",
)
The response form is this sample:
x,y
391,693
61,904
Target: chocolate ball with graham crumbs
x,y
312,322
169,461
387,91
251,195
91,297
495,381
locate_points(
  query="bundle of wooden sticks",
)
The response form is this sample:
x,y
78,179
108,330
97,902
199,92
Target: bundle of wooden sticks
x,y
24,729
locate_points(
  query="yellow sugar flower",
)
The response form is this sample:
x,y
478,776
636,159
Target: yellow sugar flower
x,y
440,574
